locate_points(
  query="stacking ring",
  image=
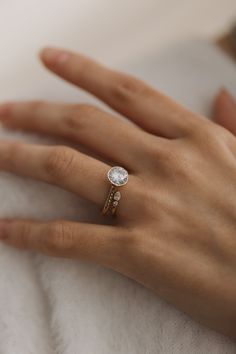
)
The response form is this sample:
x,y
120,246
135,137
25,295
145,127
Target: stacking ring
x,y
118,177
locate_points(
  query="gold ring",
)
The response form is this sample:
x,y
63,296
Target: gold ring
x,y
117,176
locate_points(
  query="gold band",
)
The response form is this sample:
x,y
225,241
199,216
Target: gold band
x,y
112,201
118,177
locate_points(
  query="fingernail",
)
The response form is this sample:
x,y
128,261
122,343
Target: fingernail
x,y
53,56
228,98
4,224
5,110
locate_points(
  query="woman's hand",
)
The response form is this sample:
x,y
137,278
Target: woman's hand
x,y
175,231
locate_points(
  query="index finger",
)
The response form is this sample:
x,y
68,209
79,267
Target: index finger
x,y
145,106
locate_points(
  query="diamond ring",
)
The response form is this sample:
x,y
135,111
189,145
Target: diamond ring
x,y
118,177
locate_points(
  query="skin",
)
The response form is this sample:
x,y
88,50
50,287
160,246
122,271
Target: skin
x,y
175,226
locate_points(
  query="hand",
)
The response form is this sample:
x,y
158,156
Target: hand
x,y
175,228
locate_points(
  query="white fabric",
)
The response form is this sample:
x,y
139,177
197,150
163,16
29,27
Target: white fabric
x,y
52,305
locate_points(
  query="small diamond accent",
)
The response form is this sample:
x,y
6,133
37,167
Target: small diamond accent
x,y
115,203
117,196
118,176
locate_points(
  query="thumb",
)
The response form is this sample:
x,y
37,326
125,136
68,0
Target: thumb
x,y
224,111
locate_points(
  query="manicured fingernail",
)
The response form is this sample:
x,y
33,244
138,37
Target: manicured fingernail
x,y
54,56
4,229
5,110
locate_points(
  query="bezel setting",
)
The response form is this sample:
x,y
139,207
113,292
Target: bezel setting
x,y
118,176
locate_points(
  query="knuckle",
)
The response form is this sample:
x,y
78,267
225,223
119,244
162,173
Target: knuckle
x,y
221,134
14,148
124,241
35,105
131,244
206,130
163,154
85,109
176,160
202,129
60,161
159,153
11,156
76,118
59,237
183,164
211,136
133,238
126,88
192,123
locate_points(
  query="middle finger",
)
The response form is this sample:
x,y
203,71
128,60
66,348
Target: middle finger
x,y
117,140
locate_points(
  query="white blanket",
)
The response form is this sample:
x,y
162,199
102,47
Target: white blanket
x,y
50,305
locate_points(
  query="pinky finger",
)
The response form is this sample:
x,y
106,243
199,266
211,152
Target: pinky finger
x,y
99,243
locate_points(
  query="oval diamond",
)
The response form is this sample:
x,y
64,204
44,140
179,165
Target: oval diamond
x,y
118,176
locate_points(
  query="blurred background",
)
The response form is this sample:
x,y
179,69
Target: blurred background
x,y
114,31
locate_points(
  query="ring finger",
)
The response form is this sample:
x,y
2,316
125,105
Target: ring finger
x,y
63,166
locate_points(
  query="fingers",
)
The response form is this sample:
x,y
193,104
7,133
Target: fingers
x,y
148,108
58,165
107,136
224,111
99,243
